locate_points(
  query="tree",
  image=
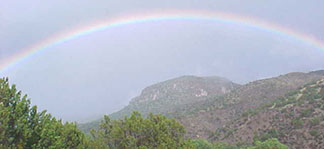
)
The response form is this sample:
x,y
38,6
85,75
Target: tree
x,y
22,126
155,131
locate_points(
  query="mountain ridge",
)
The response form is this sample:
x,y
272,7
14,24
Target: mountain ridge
x,y
176,92
297,120
217,112
213,114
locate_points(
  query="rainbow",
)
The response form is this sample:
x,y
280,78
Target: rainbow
x,y
153,16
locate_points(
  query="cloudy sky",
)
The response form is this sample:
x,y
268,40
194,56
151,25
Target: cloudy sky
x,y
99,73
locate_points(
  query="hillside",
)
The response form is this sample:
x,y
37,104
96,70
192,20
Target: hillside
x,y
205,118
168,96
297,120
211,107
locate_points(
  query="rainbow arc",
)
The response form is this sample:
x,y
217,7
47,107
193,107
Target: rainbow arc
x,y
194,15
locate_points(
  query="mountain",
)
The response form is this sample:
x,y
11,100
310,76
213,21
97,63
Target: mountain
x,y
296,119
204,119
168,96
217,109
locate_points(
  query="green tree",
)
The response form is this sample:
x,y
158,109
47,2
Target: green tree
x,y
155,131
22,126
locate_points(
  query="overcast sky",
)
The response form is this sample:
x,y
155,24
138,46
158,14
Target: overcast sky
x,y
99,73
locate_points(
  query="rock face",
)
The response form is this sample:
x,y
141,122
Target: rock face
x,y
186,89
165,97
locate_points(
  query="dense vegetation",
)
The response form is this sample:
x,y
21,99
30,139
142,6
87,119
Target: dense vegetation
x,y
22,126
156,131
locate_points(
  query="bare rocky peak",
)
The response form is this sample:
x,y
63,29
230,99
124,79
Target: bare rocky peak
x,y
186,89
168,96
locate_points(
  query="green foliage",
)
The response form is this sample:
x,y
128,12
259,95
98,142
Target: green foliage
x,y
315,121
22,126
311,95
297,122
268,144
202,144
273,133
306,112
271,143
314,132
156,131
222,145
250,112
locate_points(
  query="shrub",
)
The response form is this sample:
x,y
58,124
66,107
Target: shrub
x,y
306,112
222,145
314,132
297,122
268,144
202,144
315,121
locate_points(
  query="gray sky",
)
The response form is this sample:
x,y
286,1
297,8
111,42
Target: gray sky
x,y
99,73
